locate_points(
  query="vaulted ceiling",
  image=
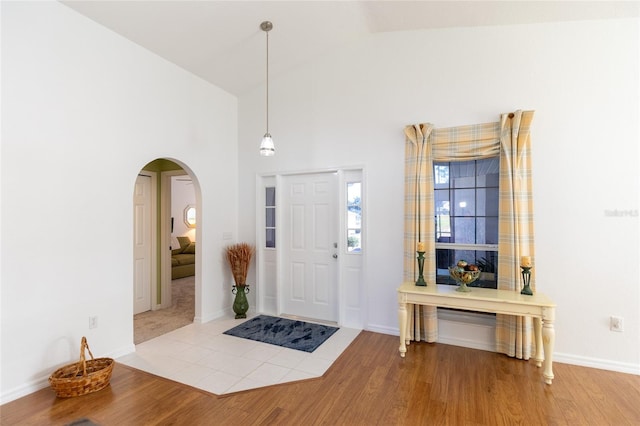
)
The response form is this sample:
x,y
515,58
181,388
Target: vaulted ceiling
x,y
221,41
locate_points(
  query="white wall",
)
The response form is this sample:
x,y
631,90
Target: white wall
x,y
350,107
83,110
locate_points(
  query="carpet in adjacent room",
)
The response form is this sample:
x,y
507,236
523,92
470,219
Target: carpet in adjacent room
x,y
151,324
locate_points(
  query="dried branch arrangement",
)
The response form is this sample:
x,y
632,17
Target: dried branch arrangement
x,y
239,257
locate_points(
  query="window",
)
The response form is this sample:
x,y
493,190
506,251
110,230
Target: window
x,y
270,217
354,217
190,216
466,217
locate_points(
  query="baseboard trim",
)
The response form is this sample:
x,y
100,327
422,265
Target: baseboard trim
x,y
210,316
599,363
25,389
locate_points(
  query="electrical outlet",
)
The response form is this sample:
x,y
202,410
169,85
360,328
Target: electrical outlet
x,y
93,322
616,323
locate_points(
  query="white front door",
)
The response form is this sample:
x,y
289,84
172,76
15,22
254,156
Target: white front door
x,y
310,281
142,245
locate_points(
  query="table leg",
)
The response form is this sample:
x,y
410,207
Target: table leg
x,y
410,324
537,326
549,337
402,323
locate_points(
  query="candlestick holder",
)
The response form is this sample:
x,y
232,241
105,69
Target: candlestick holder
x,y
421,281
526,279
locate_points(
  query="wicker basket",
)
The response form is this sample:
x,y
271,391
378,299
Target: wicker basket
x,y
83,376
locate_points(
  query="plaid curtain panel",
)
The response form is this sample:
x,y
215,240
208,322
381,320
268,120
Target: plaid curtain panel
x,y
514,335
419,225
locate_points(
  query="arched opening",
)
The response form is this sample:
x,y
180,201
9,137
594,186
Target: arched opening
x,y
166,206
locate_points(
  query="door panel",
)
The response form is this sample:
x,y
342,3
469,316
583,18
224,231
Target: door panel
x,y
297,281
310,232
142,245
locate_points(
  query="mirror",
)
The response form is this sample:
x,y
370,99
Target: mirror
x,y
190,216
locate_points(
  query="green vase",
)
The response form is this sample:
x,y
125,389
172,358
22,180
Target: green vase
x,y
240,303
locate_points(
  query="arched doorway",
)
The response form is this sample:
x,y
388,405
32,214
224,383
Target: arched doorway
x,y
164,293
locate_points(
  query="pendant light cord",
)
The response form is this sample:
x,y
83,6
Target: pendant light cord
x,y
267,81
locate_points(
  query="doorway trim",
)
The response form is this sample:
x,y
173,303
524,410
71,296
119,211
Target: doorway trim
x,y
352,299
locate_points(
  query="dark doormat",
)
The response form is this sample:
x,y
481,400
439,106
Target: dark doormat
x,y
299,335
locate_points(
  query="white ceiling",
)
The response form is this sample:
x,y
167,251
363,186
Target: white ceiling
x,y
221,41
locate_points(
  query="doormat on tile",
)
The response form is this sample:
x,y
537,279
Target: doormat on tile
x,y
299,335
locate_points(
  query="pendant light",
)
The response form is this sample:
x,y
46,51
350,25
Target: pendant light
x,y
267,148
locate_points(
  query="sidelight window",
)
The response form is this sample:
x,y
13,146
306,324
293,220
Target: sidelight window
x,y
354,217
270,217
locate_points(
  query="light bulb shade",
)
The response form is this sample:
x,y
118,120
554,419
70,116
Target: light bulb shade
x,y
267,149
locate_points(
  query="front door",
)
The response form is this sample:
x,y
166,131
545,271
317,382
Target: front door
x,y
310,281
142,245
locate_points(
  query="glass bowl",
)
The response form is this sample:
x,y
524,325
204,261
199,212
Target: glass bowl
x,y
463,277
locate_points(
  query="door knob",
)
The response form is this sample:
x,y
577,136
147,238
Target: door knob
x,y
335,256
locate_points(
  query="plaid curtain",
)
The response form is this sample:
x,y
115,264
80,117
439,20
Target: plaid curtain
x,y
514,334
424,145
419,225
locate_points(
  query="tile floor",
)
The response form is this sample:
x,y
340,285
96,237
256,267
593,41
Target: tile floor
x,y
201,356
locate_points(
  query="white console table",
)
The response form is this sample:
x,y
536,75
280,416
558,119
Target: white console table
x,y
538,306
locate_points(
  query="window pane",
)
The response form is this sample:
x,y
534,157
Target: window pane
x,y
487,261
444,259
443,228
270,238
441,176
487,230
487,202
488,171
354,193
464,230
463,174
353,241
353,220
442,200
491,230
270,197
464,202
270,219
443,222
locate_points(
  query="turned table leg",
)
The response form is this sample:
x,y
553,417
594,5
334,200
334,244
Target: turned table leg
x,y
548,337
402,323
537,326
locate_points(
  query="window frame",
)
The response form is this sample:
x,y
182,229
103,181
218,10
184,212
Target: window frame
x,y
483,247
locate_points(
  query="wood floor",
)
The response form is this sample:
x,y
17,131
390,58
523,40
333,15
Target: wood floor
x,y
368,385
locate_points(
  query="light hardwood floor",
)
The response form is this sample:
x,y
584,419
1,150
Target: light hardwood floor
x,y
368,385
